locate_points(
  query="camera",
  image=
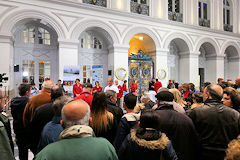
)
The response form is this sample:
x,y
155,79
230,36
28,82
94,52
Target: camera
x,y
3,78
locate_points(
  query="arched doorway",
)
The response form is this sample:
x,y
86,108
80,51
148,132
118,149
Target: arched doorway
x,y
178,52
35,52
141,53
94,56
207,63
231,63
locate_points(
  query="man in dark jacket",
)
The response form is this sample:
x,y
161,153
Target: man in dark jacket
x,y
17,108
147,102
111,106
178,127
52,129
127,121
215,123
151,85
41,117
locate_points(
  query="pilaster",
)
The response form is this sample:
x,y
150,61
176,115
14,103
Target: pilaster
x,y
68,54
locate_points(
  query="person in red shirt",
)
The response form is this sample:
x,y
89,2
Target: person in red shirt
x,y
120,93
124,86
86,94
97,87
77,88
157,85
133,86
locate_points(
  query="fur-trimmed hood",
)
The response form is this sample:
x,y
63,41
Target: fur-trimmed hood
x,y
160,143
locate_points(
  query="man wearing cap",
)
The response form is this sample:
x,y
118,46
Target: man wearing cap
x,y
86,94
177,126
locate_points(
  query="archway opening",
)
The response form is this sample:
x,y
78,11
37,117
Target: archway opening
x,y
35,52
178,48
231,63
95,59
207,63
141,55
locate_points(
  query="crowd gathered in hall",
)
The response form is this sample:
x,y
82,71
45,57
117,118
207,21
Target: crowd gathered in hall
x,y
177,122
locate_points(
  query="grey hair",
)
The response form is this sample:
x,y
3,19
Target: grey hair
x,y
48,84
59,103
110,93
84,121
145,98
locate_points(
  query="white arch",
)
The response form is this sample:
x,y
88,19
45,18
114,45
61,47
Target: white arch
x,y
208,40
83,25
176,35
137,30
228,44
11,20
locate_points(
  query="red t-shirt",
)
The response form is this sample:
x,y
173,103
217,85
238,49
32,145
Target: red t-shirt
x,y
77,89
87,97
120,93
186,94
97,89
124,86
157,85
133,87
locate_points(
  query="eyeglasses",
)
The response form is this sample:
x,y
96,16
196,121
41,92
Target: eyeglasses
x,y
227,99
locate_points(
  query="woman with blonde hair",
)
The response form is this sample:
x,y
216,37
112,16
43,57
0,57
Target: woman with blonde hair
x,y
103,122
179,104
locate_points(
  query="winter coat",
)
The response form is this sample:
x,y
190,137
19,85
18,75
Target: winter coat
x,y
115,110
180,130
124,127
78,142
216,125
33,103
5,148
17,108
134,148
4,119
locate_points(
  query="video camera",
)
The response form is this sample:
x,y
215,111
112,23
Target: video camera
x,y
3,78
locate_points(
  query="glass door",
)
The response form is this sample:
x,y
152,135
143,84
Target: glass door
x,y
44,69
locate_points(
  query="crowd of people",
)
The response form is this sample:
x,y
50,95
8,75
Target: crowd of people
x,y
177,122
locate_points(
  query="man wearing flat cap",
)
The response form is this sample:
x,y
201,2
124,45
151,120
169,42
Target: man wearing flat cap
x,y
177,126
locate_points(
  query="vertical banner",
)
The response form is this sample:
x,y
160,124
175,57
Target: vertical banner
x,y
97,74
70,74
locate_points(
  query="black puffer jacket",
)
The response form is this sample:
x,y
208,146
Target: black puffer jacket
x,y
216,125
135,148
17,108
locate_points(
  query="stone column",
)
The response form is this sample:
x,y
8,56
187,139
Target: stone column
x,y
214,68
118,58
188,64
6,61
68,55
233,68
160,64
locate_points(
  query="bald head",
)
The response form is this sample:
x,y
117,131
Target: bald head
x,y
237,81
48,85
213,91
75,113
110,81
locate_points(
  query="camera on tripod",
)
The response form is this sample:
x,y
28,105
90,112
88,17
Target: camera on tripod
x,y
3,79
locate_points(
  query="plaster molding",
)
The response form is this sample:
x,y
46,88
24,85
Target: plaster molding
x,y
11,20
4,9
68,20
121,27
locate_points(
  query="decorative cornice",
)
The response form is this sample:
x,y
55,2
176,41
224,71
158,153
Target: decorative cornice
x,y
118,13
